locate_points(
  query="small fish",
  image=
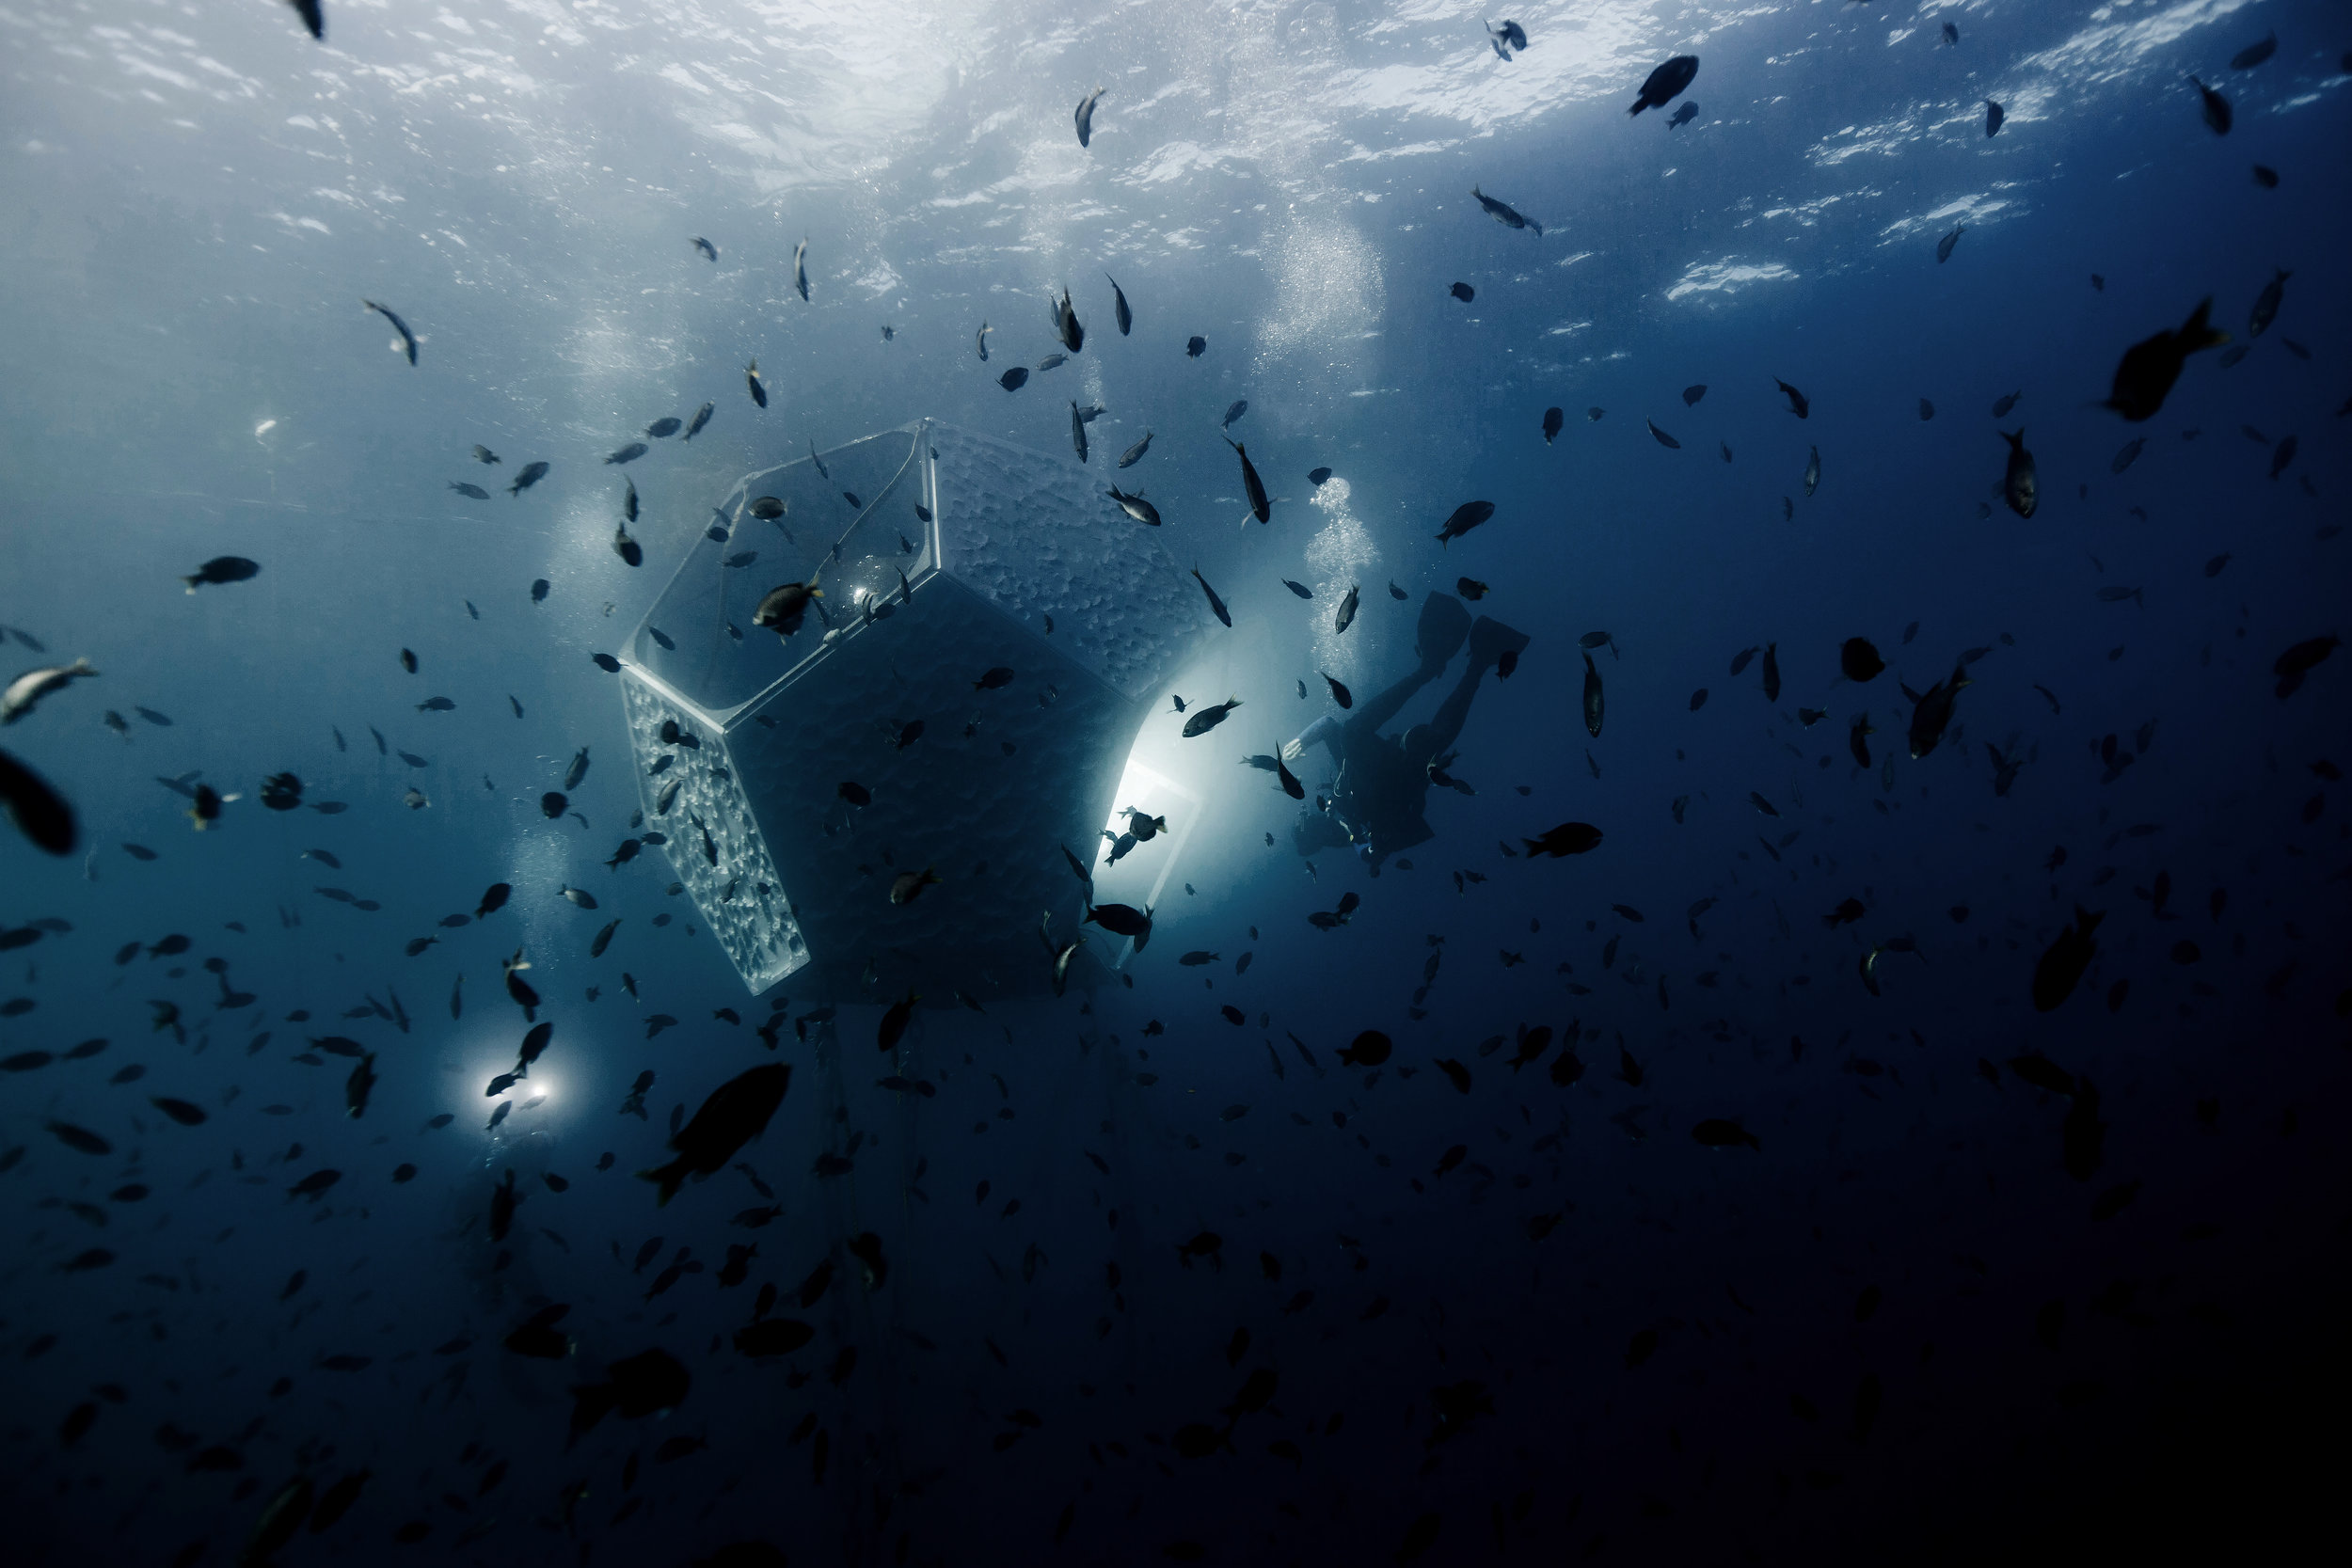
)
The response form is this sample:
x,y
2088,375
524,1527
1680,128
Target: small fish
x,y
1137,507
1593,705
707,248
1077,432
1126,317
1568,838
1812,472
408,339
1067,325
531,474
1014,379
2061,965
1464,292
1943,246
1134,454
2216,108
1339,694
1504,214
2254,54
1346,614
1051,362
1464,517
1236,411
1206,718
2020,487
1553,420
484,454
702,418
1085,116
1689,112
630,453
1660,437
222,569
1260,507
1317,476
1217,604
800,268
1858,741
2267,304
471,492
751,379
1666,82
2149,368
1994,115
1691,395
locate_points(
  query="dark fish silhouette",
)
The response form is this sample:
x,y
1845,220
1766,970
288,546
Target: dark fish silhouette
x,y
223,569
751,379
2020,487
1260,507
1666,82
408,339
1994,115
1592,703
2150,366
314,17
1119,312
1464,517
1014,379
707,248
2254,54
2216,108
1798,403
1504,214
1086,116
1858,660
531,474
1214,603
737,1111
2061,967
1553,420
1568,838
2267,304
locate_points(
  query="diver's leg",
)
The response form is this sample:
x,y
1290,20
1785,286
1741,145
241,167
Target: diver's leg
x,y
1489,642
1443,628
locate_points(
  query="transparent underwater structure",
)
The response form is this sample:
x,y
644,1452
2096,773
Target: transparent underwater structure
x,y
941,555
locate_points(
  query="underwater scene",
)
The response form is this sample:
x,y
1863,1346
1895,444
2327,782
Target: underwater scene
x,y
1254,782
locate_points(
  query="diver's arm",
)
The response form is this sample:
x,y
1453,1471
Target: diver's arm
x,y
1323,732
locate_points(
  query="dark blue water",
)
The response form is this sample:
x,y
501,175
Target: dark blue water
x,y
1788,1259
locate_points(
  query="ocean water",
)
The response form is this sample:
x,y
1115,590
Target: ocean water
x,y
1699,1214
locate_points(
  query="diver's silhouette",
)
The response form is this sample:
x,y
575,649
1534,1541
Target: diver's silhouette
x,y
1376,801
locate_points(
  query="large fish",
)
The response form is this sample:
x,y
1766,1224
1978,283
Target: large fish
x,y
1466,516
736,1113
1666,82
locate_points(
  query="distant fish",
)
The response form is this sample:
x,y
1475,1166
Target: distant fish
x,y
1798,403
2254,54
1553,420
484,454
1812,474
1134,454
2020,485
2001,405
1085,116
1660,437
1464,292
702,418
1196,346
1504,214
471,492
1239,407
408,339
531,474
1215,604
707,248
1692,394
800,268
1994,115
751,379
1944,246
222,569
630,453
2216,108
1126,317
2267,304
1684,115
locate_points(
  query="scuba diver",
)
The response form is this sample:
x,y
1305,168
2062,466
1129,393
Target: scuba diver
x,y
1376,803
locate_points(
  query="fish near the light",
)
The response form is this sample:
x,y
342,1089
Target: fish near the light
x,y
1215,604
2020,487
737,1111
1345,616
1203,720
2150,366
1260,507
1144,511
1943,246
1665,84
783,606
1066,324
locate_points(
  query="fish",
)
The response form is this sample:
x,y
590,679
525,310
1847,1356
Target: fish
x,y
800,268
1195,346
2216,107
630,453
751,379
26,692
1660,437
1858,738
1077,431
2127,454
1066,324
2061,965
2254,54
2020,487
736,1112
2145,375
1927,410
223,569
994,679
1504,214
1464,292
531,474
1772,672
359,1086
1235,411
782,608
1943,246
706,249
1812,472
408,339
484,454
909,885
432,704
631,552
1014,379
1464,517
1339,694
579,896
1691,395
1215,604
1251,485
1085,116
1134,454
1932,712
1051,362
1684,115
1144,511
1203,720
1568,838
2281,456
1346,617
1799,404
2267,304
1718,1132
1593,702
1666,83
2299,660
1121,920
702,418
471,492
664,428
1553,420
1119,312
1994,115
